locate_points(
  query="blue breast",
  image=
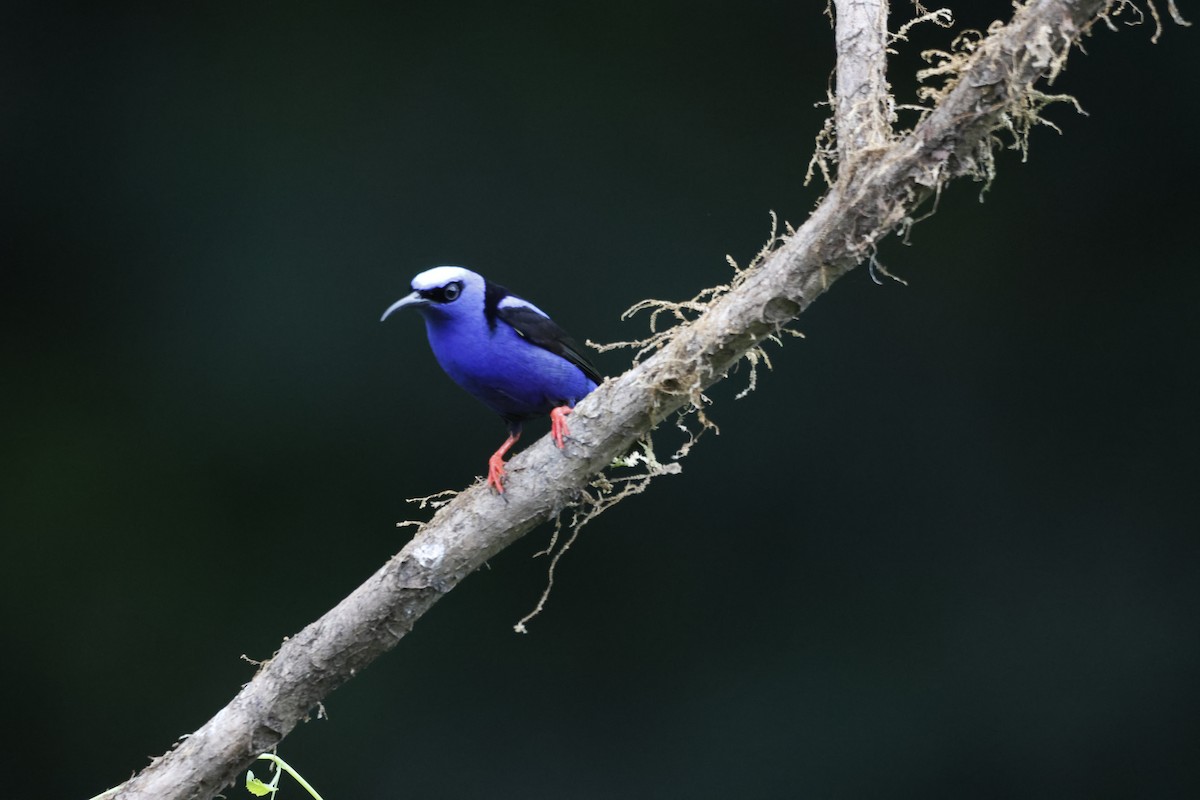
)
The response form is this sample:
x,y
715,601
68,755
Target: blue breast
x,y
513,377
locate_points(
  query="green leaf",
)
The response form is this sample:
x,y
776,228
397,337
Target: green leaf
x,y
257,787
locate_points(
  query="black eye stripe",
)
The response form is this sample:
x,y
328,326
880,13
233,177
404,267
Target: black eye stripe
x,y
443,294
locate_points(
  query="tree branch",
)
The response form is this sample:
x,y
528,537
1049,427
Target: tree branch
x,y
863,108
864,205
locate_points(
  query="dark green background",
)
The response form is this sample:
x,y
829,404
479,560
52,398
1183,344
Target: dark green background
x,y
947,549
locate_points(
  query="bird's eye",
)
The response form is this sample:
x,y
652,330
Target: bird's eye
x,y
452,291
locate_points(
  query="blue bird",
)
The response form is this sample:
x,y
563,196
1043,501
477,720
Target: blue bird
x,y
504,350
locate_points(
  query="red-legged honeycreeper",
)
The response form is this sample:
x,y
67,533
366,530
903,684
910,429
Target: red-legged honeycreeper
x,y
504,350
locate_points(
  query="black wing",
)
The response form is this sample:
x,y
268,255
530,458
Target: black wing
x,y
546,334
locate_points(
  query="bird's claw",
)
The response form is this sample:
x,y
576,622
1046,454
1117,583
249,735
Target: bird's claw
x,y
558,424
496,462
496,473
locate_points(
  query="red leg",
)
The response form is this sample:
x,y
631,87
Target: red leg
x,y
558,424
496,463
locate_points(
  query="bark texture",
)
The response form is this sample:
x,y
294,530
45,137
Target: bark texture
x,y
862,104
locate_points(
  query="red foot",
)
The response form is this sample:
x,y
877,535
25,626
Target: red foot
x,y
558,424
496,472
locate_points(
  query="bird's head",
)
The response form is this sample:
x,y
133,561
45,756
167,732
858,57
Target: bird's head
x,y
443,292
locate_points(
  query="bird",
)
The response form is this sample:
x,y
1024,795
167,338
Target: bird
x,y
502,349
